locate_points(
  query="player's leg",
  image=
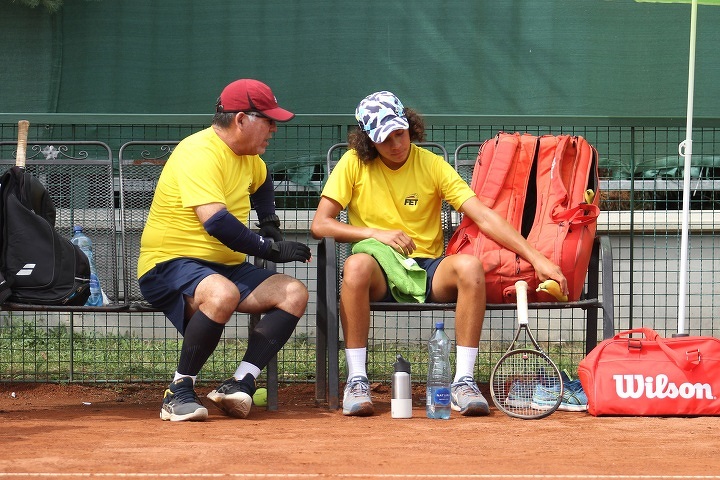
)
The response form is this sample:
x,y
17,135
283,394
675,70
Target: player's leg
x,y
363,281
283,300
194,299
461,278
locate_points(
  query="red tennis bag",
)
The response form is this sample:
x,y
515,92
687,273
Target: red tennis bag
x,y
652,375
547,188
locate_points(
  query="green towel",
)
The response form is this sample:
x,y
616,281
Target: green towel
x,y
405,277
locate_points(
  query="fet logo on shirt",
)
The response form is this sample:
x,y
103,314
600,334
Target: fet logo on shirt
x,y
411,200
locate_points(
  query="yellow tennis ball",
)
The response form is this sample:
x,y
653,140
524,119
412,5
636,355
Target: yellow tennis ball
x,y
260,397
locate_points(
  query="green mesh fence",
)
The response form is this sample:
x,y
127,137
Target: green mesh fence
x,y
641,201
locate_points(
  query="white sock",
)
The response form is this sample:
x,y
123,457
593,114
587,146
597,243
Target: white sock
x,y
246,368
465,362
180,375
356,358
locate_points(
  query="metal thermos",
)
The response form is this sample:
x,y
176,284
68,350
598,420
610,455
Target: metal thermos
x,y
401,401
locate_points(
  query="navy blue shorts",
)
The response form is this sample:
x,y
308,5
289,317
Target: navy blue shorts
x,y
429,265
166,285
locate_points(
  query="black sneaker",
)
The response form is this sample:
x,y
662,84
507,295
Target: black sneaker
x,y
234,397
180,402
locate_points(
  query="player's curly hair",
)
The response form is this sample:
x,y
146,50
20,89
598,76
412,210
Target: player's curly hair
x,y
359,140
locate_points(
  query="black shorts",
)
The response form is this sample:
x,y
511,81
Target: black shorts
x,y
427,264
166,285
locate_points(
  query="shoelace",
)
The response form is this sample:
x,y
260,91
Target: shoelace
x,y
358,388
574,385
464,384
230,386
186,395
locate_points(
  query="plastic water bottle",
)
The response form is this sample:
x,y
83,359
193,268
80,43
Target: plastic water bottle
x,y
437,404
83,241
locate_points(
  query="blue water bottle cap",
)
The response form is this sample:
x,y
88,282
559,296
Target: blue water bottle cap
x,y
440,325
77,228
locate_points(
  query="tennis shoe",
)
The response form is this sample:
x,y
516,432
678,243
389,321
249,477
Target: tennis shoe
x,y
180,403
520,394
573,398
467,399
234,397
545,396
356,398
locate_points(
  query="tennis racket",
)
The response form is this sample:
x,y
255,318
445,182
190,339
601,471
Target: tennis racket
x,y
525,383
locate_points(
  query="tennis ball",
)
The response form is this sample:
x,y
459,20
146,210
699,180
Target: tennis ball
x,y
260,397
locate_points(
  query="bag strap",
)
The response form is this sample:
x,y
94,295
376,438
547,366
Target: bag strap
x,y
505,146
582,214
650,334
570,148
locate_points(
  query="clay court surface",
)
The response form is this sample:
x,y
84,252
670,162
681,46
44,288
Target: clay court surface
x,y
76,431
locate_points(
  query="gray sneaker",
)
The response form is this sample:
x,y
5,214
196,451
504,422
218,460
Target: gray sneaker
x,y
467,399
234,397
356,400
180,403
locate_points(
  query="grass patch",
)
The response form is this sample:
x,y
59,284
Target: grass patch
x,y
32,351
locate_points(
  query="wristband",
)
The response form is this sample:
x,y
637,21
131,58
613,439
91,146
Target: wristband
x,y
272,218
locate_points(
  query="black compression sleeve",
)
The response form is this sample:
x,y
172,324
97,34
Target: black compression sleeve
x,y
263,199
234,234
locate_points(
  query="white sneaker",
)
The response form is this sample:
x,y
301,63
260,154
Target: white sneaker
x,y
356,400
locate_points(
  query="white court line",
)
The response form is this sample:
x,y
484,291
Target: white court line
x,y
355,475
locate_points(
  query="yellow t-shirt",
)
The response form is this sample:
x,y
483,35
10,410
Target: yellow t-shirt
x,y
202,169
408,199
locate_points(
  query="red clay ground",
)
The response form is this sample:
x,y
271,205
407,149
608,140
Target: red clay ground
x,y
76,431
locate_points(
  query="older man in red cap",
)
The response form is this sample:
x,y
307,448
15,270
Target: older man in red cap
x,y
192,262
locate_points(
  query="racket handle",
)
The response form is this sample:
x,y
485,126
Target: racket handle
x,y
23,126
521,289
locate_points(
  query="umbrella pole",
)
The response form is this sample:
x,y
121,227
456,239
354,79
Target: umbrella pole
x,y
685,150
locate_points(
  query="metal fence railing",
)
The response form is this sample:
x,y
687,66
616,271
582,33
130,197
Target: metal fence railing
x,y
641,193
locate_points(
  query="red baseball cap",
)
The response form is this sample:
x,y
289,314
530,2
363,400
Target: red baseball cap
x,y
248,95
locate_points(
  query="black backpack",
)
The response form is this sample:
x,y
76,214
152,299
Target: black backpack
x,y
37,265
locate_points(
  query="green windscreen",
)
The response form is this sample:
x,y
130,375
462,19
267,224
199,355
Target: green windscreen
x,y
506,57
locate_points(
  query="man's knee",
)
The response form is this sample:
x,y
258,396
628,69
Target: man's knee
x,y
216,295
468,269
296,297
358,270
298,292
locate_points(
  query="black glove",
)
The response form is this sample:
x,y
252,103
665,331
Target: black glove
x,y
270,228
286,251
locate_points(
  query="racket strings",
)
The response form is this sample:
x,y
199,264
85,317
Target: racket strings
x,y
526,384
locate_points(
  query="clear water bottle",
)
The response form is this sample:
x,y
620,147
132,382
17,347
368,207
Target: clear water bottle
x,y
83,241
437,404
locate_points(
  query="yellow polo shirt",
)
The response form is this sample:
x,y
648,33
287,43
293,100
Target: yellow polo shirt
x,y
407,199
202,169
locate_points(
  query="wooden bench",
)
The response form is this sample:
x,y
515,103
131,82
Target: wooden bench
x,y
331,257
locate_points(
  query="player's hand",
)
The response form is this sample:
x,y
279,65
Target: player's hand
x,y
287,251
270,228
397,239
547,270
